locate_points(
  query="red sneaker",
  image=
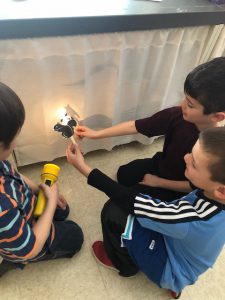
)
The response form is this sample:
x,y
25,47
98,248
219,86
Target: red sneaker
x,y
175,295
100,255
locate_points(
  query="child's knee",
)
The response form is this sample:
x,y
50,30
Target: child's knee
x,y
72,236
122,175
78,237
107,209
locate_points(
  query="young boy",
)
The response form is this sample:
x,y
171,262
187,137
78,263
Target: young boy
x,y
22,238
162,175
172,243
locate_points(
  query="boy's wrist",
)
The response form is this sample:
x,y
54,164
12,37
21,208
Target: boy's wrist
x,y
98,134
51,203
161,182
84,169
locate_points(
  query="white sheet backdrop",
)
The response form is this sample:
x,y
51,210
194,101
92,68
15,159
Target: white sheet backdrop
x,y
107,78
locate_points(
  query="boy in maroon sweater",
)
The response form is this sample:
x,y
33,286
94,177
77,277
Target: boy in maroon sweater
x,y
162,176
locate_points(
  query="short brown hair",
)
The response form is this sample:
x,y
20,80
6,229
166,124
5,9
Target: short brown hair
x,y
206,85
12,114
213,141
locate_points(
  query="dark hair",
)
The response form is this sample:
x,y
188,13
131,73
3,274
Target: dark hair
x,y
206,84
12,115
213,141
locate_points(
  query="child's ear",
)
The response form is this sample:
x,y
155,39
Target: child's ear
x,y
218,117
220,193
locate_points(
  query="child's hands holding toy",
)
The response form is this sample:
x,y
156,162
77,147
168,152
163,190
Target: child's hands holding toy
x,y
75,158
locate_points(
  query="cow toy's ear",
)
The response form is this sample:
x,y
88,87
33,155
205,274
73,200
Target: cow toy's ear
x,y
72,123
58,127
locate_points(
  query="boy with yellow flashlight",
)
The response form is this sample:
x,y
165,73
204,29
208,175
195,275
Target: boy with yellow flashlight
x,y
23,237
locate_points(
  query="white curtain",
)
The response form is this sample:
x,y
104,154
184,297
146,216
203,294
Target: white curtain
x,y
106,78
219,46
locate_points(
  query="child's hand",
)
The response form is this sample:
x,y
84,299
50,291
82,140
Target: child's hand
x,y
151,180
74,155
75,158
51,192
62,203
83,131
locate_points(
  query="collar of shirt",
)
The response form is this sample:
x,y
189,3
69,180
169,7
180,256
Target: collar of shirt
x,y
5,167
220,205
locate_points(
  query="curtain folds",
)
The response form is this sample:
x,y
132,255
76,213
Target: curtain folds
x,y
106,78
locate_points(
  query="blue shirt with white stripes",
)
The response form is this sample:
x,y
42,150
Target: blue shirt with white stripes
x,y
193,230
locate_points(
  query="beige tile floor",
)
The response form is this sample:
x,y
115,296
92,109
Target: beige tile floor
x,y
81,277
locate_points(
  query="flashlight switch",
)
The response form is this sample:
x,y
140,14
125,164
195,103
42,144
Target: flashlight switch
x,y
48,182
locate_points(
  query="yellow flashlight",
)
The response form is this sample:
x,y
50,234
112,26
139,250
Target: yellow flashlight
x,y
49,176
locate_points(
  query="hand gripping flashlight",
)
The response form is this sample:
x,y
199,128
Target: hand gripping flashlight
x,y
49,176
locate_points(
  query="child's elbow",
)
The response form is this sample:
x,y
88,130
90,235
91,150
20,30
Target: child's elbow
x,y
34,252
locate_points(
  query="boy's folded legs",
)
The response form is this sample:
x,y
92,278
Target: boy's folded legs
x,y
61,214
133,172
113,224
68,240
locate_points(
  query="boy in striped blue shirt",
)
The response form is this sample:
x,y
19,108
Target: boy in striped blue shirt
x,y
172,243
23,238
